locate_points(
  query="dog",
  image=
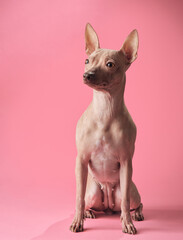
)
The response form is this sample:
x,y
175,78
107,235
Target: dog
x,y
105,138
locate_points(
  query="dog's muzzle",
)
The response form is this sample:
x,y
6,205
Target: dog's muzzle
x,y
89,77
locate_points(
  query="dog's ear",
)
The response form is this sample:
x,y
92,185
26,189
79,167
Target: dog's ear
x,y
130,46
91,39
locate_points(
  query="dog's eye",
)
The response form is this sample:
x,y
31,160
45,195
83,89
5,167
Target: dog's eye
x,y
110,64
86,61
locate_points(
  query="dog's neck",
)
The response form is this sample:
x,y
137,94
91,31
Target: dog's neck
x,y
107,105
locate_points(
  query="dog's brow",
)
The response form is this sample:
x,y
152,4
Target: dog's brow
x,y
110,58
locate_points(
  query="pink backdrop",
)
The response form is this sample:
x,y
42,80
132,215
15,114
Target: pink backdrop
x,y
42,96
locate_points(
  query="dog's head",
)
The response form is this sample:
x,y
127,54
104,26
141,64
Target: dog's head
x,y
105,68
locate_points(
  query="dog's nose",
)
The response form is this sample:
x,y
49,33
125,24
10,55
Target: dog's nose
x,y
89,76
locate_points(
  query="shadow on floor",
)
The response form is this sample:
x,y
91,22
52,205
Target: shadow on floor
x,y
157,221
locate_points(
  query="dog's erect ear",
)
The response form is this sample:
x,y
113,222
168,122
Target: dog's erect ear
x,y
91,39
130,46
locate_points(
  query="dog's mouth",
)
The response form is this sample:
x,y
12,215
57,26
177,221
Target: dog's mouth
x,y
95,85
86,81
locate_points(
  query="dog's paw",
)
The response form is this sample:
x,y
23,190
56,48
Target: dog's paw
x,y
77,224
127,225
89,214
128,228
137,215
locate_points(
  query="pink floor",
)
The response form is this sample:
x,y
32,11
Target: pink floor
x,y
159,224
48,222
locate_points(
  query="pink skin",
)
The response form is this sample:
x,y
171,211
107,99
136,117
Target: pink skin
x,y
105,137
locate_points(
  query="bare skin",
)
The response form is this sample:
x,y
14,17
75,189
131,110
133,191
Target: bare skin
x,y
105,138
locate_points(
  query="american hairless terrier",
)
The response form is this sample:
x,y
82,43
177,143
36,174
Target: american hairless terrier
x,y
105,137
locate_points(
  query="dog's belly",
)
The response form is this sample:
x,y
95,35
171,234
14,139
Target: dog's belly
x,y
104,169
104,165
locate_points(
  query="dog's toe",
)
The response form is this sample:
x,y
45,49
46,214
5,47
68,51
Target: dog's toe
x,y
89,214
137,215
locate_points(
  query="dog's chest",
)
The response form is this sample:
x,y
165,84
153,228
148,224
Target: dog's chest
x,y
104,164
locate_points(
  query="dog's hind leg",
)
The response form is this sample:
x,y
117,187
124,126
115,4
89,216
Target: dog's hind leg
x,y
137,214
135,204
93,198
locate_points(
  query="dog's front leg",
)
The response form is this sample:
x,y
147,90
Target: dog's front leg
x,y
81,172
125,184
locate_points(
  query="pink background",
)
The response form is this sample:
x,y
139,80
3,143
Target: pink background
x,y
42,96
